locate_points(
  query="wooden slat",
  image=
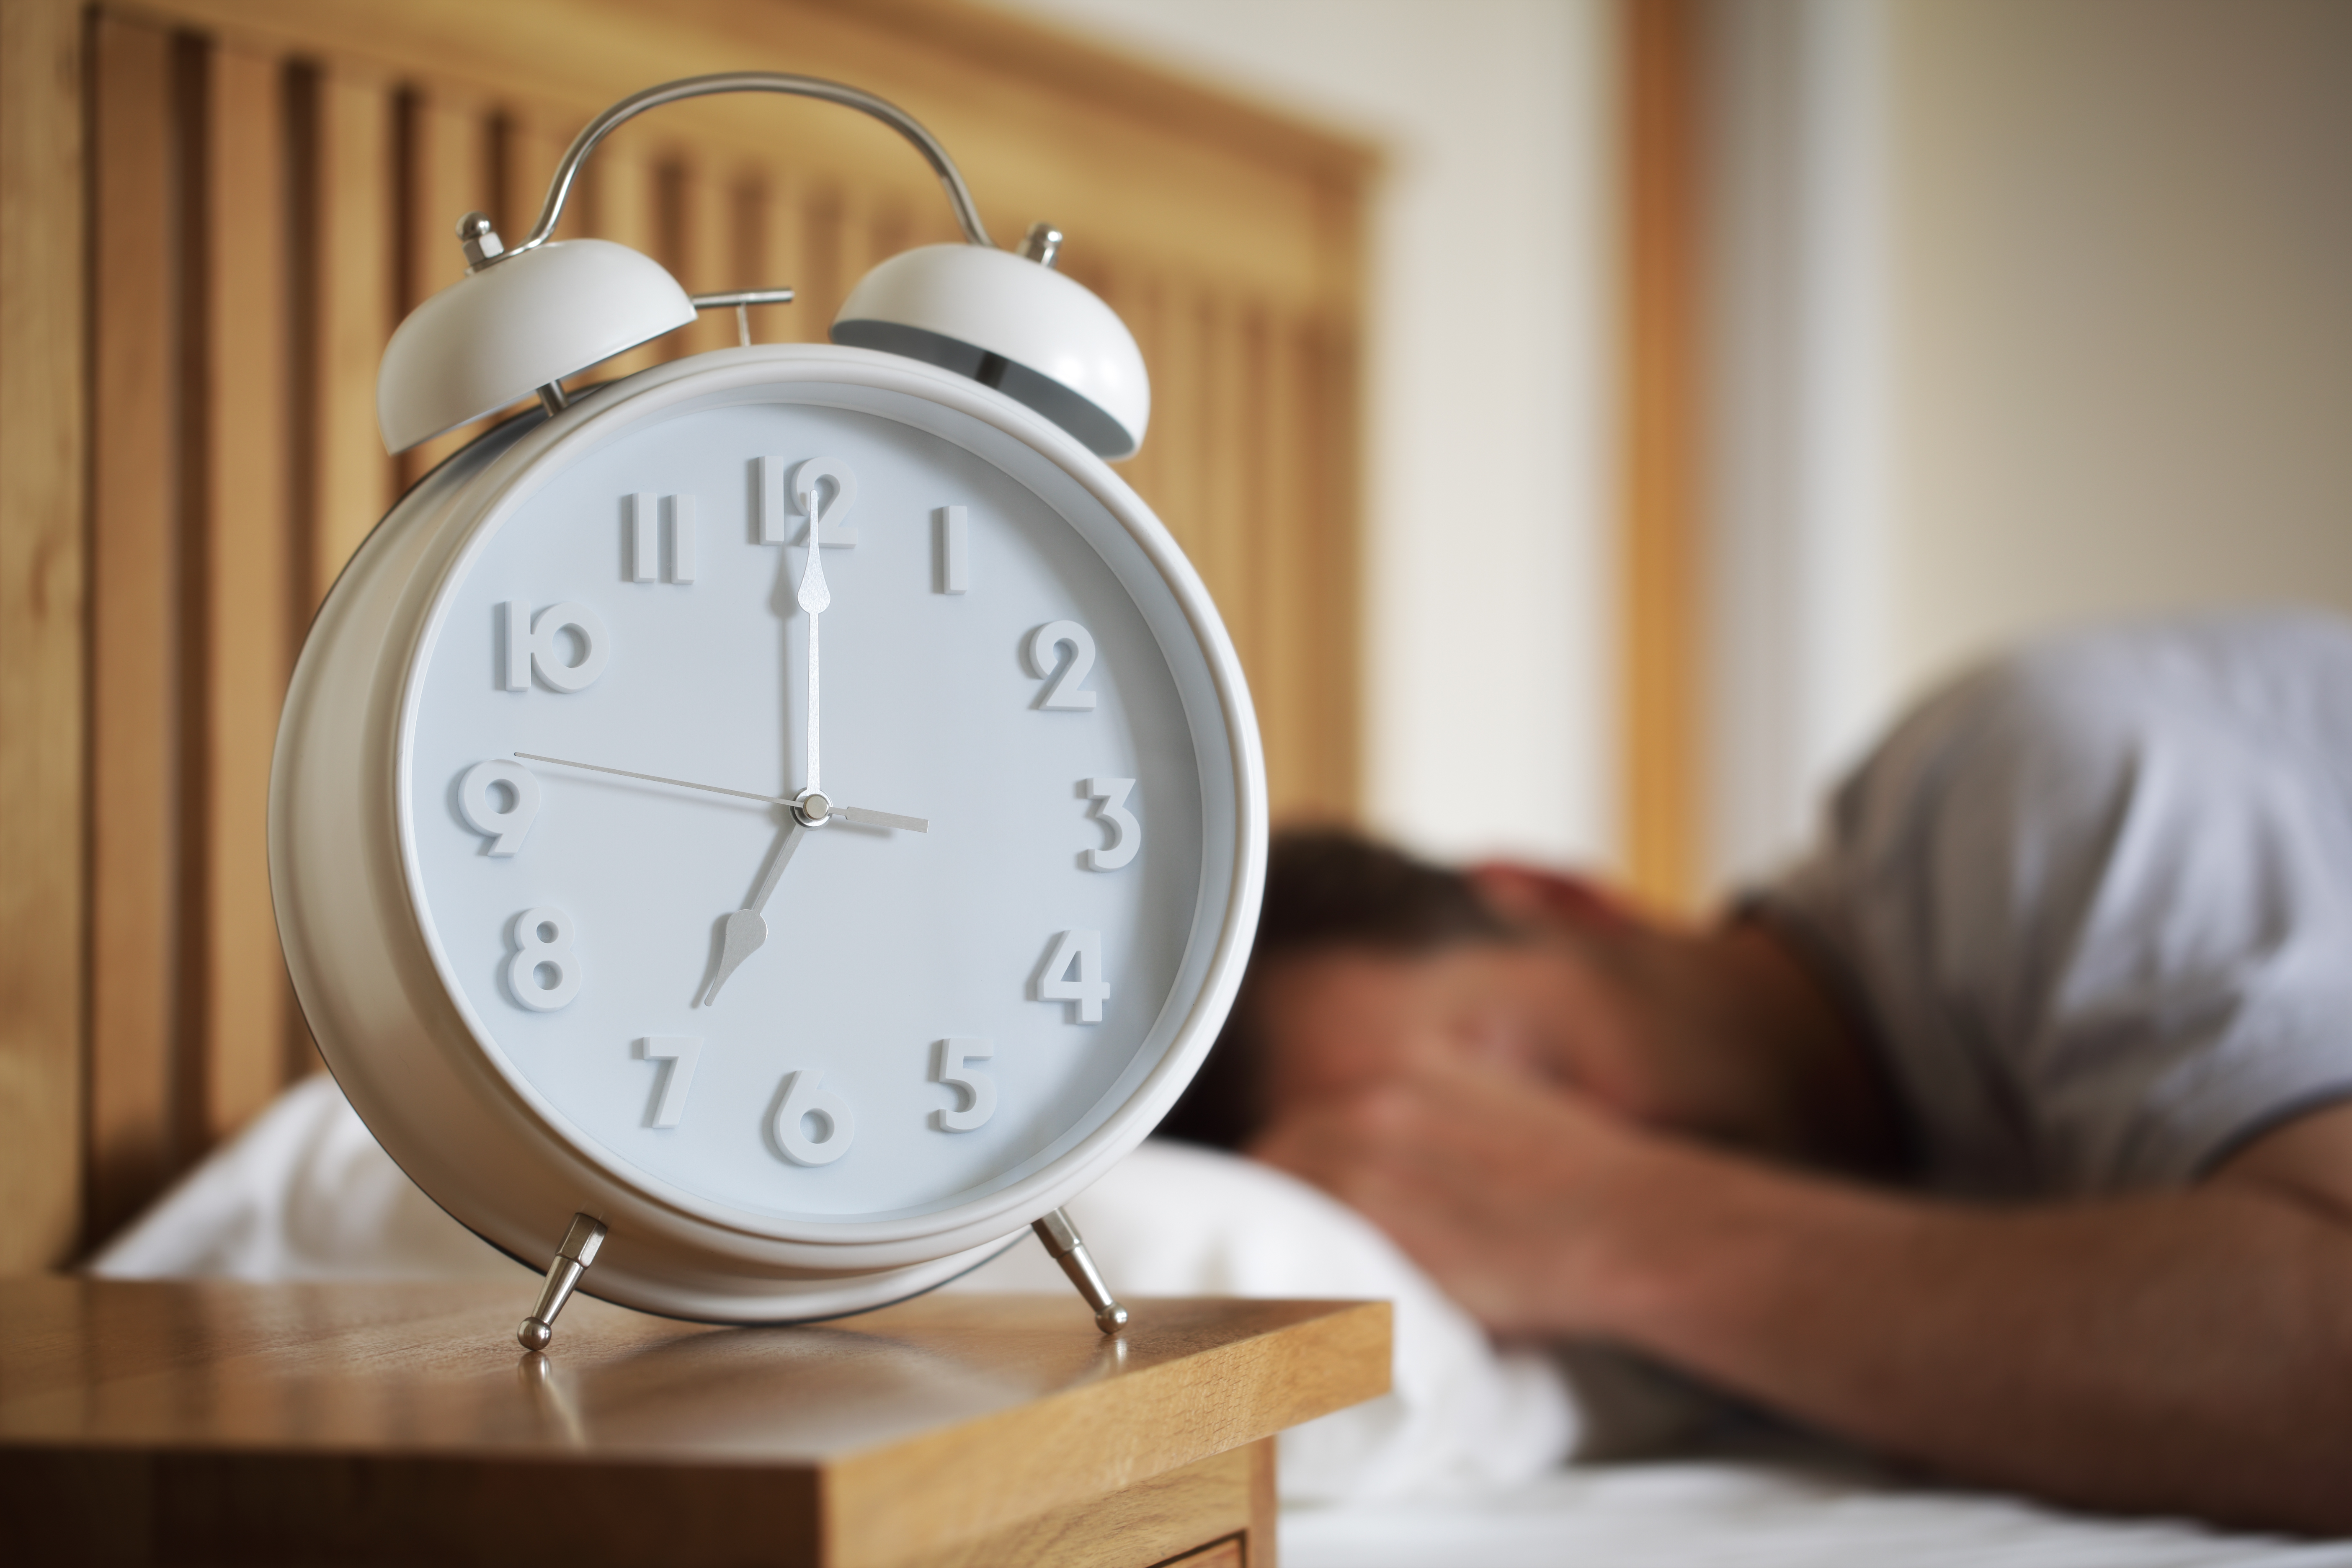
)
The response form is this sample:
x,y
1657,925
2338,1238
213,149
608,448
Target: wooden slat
x,y
780,257
524,152
1291,641
244,587
135,625
354,283
1661,624
445,157
1337,701
42,630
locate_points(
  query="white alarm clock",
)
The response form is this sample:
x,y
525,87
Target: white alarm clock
x,y
758,836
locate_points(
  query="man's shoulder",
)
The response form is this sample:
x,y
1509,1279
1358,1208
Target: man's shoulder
x,y
2211,677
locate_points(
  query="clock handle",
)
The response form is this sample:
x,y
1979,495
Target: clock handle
x,y
1068,1249
572,1261
967,211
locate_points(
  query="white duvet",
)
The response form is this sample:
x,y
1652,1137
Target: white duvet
x,y
1461,1463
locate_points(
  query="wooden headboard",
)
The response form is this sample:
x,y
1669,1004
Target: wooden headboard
x,y
216,211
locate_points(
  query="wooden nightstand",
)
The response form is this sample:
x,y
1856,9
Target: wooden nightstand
x,y
383,1423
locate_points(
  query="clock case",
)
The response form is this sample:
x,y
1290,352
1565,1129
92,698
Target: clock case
x,y
388,1018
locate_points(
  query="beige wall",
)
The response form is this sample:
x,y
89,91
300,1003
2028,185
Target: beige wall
x,y
2024,313
1489,638
2121,313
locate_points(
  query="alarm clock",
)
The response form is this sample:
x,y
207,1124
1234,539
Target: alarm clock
x,y
752,837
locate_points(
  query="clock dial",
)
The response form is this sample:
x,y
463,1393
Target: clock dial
x,y
933,978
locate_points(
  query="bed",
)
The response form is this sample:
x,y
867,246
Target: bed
x,y
1497,1457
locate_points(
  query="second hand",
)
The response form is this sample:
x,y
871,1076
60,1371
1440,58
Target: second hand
x,y
857,813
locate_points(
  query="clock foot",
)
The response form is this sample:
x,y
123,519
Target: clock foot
x,y
1068,1249
572,1261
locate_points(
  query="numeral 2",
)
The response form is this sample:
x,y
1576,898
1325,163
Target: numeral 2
x,y
789,490
1062,684
1089,987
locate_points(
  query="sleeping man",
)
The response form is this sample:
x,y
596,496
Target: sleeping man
x,y
2010,1133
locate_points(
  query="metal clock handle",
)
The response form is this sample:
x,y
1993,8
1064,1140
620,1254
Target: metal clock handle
x,y
560,188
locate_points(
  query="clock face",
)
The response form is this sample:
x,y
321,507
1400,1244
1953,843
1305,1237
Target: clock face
x,y
1008,910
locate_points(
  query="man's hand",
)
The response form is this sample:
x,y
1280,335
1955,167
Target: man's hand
x,y
2179,1351
1506,1192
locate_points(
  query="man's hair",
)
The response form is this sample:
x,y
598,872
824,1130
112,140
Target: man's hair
x,y
1326,889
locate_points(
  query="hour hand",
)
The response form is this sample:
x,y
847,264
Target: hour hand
x,y
746,928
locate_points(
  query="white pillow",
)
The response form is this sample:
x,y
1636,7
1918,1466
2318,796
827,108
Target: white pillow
x,y
305,1192
1173,1219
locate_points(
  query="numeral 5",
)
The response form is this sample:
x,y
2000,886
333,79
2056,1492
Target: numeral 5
x,y
955,1069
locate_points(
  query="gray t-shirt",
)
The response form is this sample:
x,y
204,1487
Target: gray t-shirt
x,y
2095,903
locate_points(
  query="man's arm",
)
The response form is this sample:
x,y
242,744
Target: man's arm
x,y
2189,1351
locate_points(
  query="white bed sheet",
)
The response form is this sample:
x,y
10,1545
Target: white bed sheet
x,y
1748,1513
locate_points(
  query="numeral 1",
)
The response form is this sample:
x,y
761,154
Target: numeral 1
x,y
955,549
645,538
1074,973
532,649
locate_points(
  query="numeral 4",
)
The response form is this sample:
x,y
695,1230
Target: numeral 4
x,y
1074,973
955,1069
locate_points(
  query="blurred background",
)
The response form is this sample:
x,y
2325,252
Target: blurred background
x,y
1761,363
1595,417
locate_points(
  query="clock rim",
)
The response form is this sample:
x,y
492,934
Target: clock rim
x,y
536,456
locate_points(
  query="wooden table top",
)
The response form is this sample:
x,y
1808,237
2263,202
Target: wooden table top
x,y
985,1408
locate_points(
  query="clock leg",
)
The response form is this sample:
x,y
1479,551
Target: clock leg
x,y
1068,1249
572,1261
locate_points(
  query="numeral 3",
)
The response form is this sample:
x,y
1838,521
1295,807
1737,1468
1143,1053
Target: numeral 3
x,y
1109,796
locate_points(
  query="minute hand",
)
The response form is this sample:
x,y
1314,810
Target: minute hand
x,y
857,813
